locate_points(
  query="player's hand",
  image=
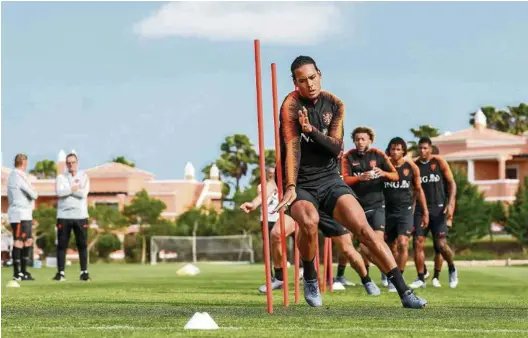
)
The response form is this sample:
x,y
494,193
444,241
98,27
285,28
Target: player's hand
x,y
304,121
247,207
365,176
289,196
425,220
75,188
449,211
379,172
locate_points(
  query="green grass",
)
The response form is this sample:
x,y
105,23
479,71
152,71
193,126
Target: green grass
x,y
151,301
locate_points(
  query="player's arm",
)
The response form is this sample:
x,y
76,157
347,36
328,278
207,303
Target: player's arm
x,y
388,171
289,115
62,188
345,172
84,190
419,195
333,142
27,188
451,184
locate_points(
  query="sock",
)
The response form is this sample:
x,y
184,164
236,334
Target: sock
x,y
16,260
366,279
25,259
436,274
340,270
309,270
421,277
425,269
451,267
278,274
397,280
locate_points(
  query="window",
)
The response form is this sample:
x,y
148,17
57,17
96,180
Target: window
x,y
512,172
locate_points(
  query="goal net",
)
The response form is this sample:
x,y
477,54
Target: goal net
x,y
235,248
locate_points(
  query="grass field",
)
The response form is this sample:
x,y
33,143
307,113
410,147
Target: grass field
x,y
151,301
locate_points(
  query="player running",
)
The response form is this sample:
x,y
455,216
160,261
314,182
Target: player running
x,y
435,173
399,199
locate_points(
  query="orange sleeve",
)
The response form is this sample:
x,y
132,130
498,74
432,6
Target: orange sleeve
x,y
387,166
333,142
291,136
345,171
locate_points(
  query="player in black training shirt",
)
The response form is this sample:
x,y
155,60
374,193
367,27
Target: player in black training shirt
x,y
365,169
399,201
311,131
435,173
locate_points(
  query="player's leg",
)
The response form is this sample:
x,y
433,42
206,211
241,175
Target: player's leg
x,y
391,235
63,238
276,251
341,266
16,254
376,219
340,201
80,229
345,246
28,243
438,262
419,237
404,228
439,230
304,211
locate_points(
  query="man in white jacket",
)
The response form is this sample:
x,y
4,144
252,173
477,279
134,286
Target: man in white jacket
x,y
21,197
72,214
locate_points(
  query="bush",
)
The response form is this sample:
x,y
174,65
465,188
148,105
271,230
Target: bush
x,y
517,223
107,244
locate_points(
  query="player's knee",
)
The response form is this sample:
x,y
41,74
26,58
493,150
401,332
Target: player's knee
x,y
309,224
440,244
28,242
419,243
275,236
403,244
18,244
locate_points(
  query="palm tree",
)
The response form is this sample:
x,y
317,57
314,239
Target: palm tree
x,y
44,169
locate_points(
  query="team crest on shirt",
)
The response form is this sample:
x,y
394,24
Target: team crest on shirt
x,y
327,118
433,166
405,172
372,163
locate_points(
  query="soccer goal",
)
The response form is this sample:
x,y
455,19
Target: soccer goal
x,y
235,248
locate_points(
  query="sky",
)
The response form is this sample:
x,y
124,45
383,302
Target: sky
x,y
164,83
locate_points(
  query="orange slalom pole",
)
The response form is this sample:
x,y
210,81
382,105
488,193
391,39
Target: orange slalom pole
x,y
296,269
262,164
330,263
325,265
279,183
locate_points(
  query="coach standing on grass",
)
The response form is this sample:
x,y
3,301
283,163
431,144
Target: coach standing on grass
x,y
72,189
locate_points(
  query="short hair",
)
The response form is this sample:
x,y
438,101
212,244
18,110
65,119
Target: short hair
x,y
301,61
425,140
72,155
396,141
436,151
364,130
271,166
19,159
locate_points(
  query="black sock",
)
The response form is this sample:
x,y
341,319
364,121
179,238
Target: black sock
x,y
25,259
341,270
436,274
396,278
309,272
451,267
16,260
366,279
421,277
278,274
425,269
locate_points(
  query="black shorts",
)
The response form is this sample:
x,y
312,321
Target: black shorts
x,y
324,194
329,227
376,218
22,230
65,227
437,223
399,224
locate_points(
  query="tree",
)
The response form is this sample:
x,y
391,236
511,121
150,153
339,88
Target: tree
x,y
123,160
270,160
513,121
238,154
472,217
44,169
498,212
421,131
199,221
109,219
517,223
45,217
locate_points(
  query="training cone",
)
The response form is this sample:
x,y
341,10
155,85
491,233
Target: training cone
x,y
13,284
201,321
338,286
188,270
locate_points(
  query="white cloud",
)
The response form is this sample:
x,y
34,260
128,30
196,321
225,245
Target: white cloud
x,y
300,23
